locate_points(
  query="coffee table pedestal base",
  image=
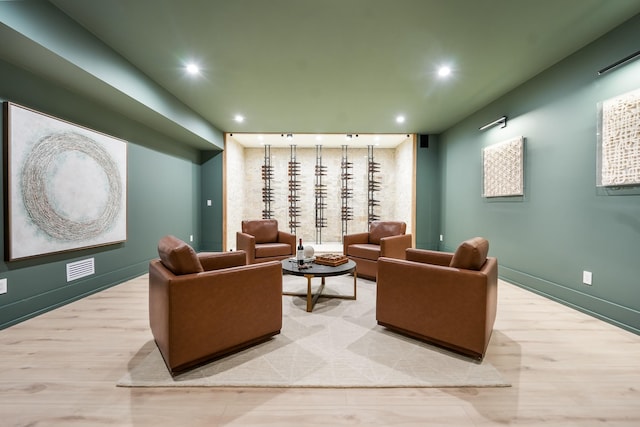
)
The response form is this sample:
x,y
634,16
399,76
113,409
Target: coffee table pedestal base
x,y
313,298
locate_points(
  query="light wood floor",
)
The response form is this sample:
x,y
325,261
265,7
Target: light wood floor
x,y
567,369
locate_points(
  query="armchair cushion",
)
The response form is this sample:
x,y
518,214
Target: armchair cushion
x,y
380,229
364,250
178,257
264,230
471,254
267,250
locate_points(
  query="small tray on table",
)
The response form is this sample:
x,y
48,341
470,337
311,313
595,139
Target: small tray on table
x,y
331,260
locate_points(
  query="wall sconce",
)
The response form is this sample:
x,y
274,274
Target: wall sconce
x,y
619,63
502,120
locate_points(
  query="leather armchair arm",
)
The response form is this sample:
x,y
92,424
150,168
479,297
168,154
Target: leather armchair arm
x,y
218,260
429,257
247,243
352,239
288,238
395,246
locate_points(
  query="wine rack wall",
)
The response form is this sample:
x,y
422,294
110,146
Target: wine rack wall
x,y
318,193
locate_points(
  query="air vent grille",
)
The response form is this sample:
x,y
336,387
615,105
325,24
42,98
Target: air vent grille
x,y
78,269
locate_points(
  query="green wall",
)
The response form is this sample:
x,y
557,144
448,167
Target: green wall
x,y
212,180
165,182
427,227
564,224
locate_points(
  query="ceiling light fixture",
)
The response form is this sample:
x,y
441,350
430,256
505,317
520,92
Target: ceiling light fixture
x,y
502,120
444,71
400,119
239,118
193,69
619,63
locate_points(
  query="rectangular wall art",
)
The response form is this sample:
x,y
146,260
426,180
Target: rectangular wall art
x,y
619,141
65,185
503,165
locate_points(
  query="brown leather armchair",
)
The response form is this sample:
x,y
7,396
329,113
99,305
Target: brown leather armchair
x,y
262,241
384,239
449,299
202,306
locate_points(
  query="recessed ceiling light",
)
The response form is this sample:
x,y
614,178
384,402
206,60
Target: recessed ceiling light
x,y
238,118
400,119
193,69
444,71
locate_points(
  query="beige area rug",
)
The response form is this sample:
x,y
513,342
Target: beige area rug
x,y
339,344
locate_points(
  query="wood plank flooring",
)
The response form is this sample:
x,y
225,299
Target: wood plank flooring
x,y
567,369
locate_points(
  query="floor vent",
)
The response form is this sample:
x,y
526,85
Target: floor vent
x,y
78,269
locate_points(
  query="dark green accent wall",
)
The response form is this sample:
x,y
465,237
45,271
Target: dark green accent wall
x,y
563,224
212,184
165,181
427,226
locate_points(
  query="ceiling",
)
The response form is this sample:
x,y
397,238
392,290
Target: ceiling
x,y
331,140
336,66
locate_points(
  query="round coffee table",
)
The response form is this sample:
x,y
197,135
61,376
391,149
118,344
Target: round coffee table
x,y
290,266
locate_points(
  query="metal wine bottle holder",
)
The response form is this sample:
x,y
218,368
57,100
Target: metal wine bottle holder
x,y
320,195
346,191
267,177
373,185
294,188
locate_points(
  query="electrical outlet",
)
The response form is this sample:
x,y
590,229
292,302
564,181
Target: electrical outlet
x,y
3,286
191,237
208,202
587,277
441,238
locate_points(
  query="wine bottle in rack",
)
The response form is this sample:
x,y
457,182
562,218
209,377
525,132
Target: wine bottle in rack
x,y
300,253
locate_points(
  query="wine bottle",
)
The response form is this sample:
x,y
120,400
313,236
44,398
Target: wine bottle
x,y
300,253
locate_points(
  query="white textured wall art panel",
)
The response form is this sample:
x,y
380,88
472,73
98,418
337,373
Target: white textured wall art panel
x,y
504,169
620,144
